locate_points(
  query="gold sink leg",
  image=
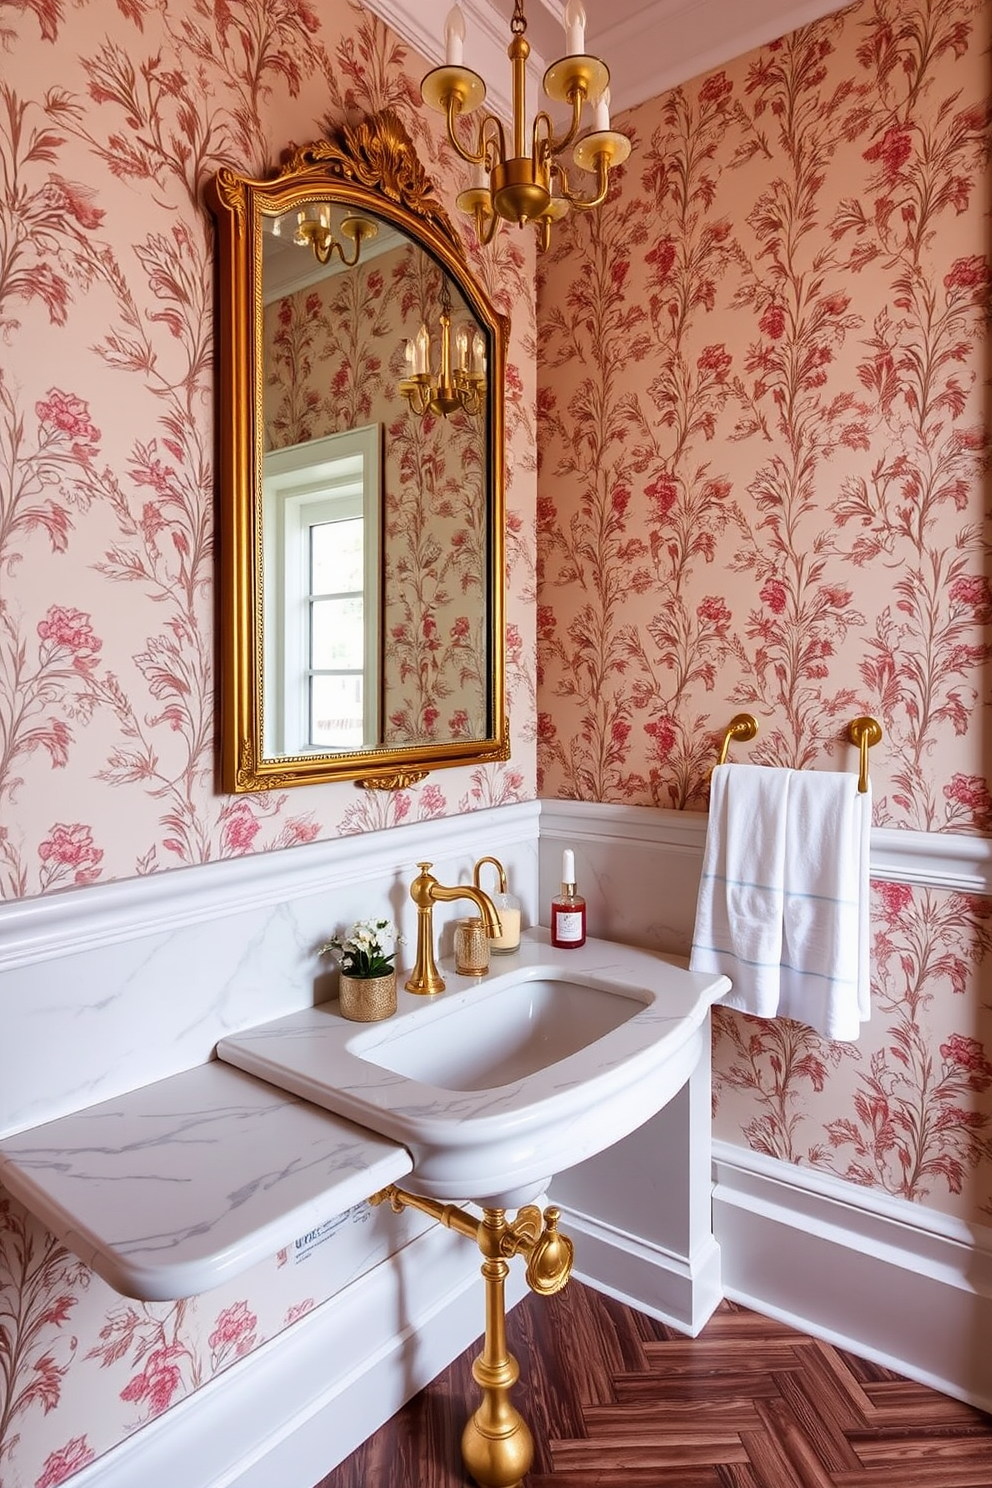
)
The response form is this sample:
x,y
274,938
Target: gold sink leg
x,y
497,1446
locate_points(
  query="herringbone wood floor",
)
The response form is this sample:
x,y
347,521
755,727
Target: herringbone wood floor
x,y
616,1400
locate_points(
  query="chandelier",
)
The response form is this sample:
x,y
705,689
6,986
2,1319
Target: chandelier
x,y
525,178
451,389
314,230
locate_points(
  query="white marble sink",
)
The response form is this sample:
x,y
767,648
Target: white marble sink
x,y
481,1043
496,1085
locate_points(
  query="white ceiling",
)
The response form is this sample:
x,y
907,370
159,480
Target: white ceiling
x,y
648,45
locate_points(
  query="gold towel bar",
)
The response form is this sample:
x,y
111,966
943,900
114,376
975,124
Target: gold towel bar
x,y
743,726
864,732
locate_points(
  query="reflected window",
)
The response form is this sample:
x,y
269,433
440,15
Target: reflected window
x,y
322,616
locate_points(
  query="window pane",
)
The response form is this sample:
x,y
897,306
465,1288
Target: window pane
x,y
338,637
336,712
336,556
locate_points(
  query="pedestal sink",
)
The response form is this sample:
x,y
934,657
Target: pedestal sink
x,y
497,1084
494,1087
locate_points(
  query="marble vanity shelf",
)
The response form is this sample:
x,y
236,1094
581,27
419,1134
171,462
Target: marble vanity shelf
x,y
171,1189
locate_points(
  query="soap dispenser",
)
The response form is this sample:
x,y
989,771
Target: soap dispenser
x,y
507,907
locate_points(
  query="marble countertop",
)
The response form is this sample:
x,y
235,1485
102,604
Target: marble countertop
x,y
172,1189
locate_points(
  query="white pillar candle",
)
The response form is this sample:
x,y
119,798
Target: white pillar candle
x,y
454,36
575,28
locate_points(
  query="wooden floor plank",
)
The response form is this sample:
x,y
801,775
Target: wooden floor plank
x,y
785,1430
619,1400
831,1445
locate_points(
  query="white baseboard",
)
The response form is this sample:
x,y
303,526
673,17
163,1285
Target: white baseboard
x,y
296,1407
680,1291
891,1281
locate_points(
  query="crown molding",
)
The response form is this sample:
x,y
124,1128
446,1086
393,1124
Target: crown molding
x,y
649,48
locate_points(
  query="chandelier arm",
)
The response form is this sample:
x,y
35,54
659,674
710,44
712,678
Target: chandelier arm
x,y
451,113
486,231
416,396
587,204
557,145
495,136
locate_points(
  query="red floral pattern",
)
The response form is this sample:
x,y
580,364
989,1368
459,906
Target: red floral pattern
x,y
763,440
160,99
65,1461
112,117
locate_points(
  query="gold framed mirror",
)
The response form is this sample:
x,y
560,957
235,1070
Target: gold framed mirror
x,y
361,375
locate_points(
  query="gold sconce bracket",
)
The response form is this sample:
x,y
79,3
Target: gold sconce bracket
x,y
315,233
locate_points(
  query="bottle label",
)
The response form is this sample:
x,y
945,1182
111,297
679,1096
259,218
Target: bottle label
x,y
568,924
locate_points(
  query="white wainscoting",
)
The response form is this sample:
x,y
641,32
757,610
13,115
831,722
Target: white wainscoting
x,y
107,988
889,1280
120,984
895,1282
289,1412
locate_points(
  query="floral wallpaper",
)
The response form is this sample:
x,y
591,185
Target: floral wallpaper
x,y
336,353
112,118
82,1367
764,447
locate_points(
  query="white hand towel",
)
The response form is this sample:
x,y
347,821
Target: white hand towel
x,y
783,898
739,908
825,910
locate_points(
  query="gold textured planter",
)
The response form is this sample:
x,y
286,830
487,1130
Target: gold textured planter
x,y
367,999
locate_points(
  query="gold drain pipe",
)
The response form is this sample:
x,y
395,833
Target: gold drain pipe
x,y
497,1446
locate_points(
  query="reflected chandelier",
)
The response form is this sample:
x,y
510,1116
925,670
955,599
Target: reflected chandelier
x,y
452,389
527,180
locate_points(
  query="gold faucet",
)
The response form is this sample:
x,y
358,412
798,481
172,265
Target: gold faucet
x,y
424,891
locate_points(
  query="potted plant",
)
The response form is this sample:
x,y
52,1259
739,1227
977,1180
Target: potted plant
x,y
368,973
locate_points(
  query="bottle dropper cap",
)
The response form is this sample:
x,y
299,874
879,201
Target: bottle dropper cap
x,y
568,866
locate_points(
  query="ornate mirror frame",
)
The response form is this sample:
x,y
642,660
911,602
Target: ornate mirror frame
x,y
371,166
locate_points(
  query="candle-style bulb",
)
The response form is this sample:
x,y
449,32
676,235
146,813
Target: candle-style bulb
x,y
454,37
479,353
423,350
575,28
601,112
462,348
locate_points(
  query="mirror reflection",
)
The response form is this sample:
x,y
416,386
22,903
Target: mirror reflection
x,y
375,501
